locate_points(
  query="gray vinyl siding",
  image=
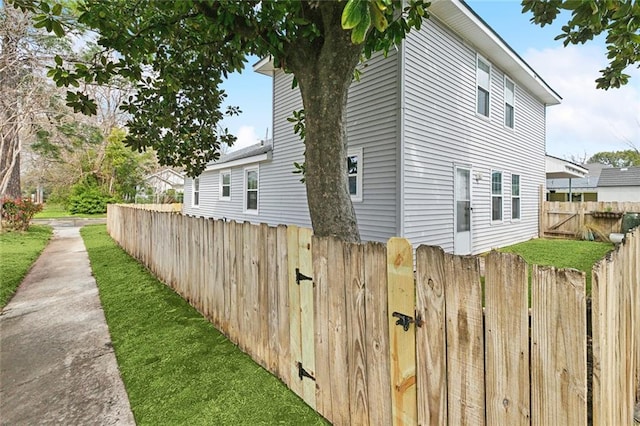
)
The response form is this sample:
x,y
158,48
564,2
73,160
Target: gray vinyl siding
x,y
372,126
441,130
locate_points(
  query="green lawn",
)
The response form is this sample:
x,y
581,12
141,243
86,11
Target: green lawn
x,y
177,368
579,255
18,251
56,211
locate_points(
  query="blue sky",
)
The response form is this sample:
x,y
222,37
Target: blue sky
x,y
588,120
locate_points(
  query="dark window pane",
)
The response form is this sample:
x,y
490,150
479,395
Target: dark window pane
x,y
496,208
226,179
515,208
226,190
196,198
353,185
352,164
252,200
508,115
252,179
483,101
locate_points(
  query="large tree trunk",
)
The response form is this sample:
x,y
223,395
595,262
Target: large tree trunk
x,y
10,71
324,72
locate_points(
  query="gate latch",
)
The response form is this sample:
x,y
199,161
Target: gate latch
x,y
405,320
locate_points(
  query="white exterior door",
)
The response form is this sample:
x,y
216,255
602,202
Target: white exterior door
x,y
462,212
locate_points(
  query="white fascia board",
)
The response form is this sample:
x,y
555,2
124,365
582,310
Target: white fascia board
x,y
239,162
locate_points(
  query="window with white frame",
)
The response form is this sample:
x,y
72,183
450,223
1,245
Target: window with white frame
x,y
225,185
354,168
515,197
496,195
509,103
251,189
196,192
483,82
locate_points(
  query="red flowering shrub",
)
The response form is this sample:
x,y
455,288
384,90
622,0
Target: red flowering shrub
x,y
18,212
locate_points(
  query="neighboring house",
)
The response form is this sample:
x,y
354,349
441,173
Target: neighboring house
x,y
619,184
579,183
161,183
446,144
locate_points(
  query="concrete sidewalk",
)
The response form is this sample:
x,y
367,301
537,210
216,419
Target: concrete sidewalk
x,y
57,365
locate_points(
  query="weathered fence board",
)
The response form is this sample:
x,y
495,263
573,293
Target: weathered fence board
x,y
461,360
507,340
559,376
465,348
431,338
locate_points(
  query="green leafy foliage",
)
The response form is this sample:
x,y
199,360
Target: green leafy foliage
x,y
626,158
618,19
89,199
18,212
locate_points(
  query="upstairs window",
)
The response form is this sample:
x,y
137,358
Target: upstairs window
x,y
225,184
483,82
496,196
196,192
515,197
354,169
251,185
509,103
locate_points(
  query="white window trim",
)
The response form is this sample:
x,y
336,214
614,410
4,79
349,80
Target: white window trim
x,y
222,172
193,192
507,79
483,59
519,196
246,170
358,152
501,195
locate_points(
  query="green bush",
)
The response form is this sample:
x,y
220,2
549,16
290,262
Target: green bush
x,y
89,200
18,212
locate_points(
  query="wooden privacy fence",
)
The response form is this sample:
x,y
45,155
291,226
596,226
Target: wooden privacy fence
x,y
575,220
365,340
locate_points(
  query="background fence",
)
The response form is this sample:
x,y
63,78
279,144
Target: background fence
x,y
364,336
574,220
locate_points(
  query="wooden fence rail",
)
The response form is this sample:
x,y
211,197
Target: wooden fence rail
x,y
577,220
366,337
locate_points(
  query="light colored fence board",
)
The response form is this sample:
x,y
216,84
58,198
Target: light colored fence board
x,y
559,376
321,311
402,342
377,334
367,369
431,338
507,340
356,330
465,348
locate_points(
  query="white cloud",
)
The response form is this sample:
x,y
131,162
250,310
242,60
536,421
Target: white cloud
x,y
246,137
588,120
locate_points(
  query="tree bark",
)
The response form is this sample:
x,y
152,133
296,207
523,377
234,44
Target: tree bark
x,y
324,71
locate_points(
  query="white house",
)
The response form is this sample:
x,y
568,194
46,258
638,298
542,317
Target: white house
x,y
619,184
446,143
161,183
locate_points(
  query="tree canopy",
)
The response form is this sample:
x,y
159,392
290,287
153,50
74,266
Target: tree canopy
x,y
178,53
626,158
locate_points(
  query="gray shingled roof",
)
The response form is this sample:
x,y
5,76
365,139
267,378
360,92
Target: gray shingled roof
x,y
250,151
626,176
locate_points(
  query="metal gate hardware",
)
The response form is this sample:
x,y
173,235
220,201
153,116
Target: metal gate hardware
x,y
304,373
405,320
301,277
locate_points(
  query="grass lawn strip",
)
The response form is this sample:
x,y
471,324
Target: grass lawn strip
x,y
18,251
581,255
57,211
177,368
